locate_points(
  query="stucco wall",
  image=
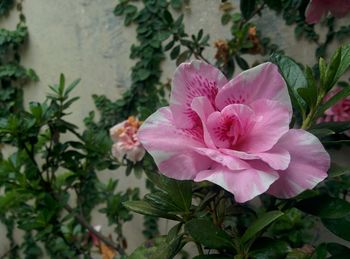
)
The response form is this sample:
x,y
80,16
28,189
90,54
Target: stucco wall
x,y
83,39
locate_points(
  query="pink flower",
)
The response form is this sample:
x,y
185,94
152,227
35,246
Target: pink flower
x,y
234,133
339,111
126,140
318,8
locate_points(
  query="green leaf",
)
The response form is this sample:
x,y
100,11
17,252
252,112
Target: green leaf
x,y
225,18
183,57
176,4
259,224
338,250
333,100
294,77
336,127
344,62
337,170
332,70
325,207
175,52
152,249
309,94
339,227
320,252
247,8
242,63
265,248
321,133
206,233
145,208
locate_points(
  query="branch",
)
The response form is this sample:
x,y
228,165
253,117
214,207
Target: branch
x,y
87,225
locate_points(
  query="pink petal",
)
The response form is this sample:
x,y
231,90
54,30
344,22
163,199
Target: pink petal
x,y
184,166
315,10
192,80
231,162
339,8
277,157
244,184
202,106
308,166
136,153
272,122
113,132
261,82
172,148
228,127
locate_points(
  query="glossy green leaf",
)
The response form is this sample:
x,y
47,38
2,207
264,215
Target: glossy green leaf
x,y
206,233
294,77
339,227
259,224
325,207
145,208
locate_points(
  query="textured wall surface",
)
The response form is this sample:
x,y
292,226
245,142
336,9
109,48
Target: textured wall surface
x,y
83,39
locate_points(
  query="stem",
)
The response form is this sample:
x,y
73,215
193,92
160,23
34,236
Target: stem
x,y
87,225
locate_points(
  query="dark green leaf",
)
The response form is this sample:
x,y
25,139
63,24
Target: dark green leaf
x,y
337,170
339,227
175,52
242,63
344,62
345,92
325,207
268,249
182,57
176,4
206,233
225,18
336,127
212,256
338,250
259,224
247,8
145,208
320,252
294,77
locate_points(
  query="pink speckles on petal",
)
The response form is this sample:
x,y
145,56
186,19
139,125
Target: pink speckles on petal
x,y
192,80
229,127
261,82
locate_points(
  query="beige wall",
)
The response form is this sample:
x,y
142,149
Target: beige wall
x,y
83,39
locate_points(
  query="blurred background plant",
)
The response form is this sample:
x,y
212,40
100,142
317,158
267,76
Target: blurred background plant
x,y
49,181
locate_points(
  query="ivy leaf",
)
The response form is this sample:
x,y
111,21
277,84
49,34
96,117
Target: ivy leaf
x,y
206,233
339,227
260,223
247,8
325,207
